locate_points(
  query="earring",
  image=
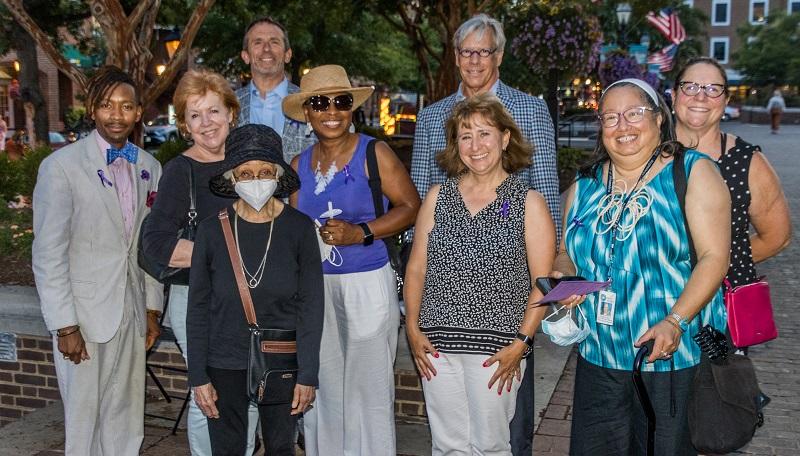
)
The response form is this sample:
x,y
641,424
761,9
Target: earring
x,y
186,135
309,128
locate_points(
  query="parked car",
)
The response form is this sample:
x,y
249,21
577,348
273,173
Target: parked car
x,y
57,140
731,113
159,131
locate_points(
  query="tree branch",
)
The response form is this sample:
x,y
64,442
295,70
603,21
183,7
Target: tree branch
x,y
43,41
114,23
189,34
142,8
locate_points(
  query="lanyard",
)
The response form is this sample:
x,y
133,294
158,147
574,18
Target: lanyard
x,y
618,219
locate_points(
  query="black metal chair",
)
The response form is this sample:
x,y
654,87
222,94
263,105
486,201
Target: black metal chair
x,y
167,336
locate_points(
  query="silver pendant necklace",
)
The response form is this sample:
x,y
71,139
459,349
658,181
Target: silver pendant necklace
x,y
252,279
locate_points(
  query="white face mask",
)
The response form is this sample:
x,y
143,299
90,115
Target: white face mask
x,y
328,252
565,331
256,192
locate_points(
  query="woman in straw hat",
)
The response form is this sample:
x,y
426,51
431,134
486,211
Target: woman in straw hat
x,y
275,250
354,412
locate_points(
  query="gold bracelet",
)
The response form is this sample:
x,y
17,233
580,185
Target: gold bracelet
x,y
59,334
673,323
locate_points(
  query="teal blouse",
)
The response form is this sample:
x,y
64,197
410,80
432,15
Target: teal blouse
x,y
651,268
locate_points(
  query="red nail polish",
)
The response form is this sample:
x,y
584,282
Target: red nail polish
x,y
485,363
435,355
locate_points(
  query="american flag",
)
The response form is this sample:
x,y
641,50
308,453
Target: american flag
x,y
665,58
668,23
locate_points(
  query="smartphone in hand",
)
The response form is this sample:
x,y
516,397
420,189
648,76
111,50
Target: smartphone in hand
x,y
546,284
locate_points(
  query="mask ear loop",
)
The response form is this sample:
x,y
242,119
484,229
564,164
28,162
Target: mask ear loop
x,y
332,257
555,312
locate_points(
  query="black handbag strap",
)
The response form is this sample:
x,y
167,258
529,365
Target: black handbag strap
x,y
374,178
192,213
680,181
238,272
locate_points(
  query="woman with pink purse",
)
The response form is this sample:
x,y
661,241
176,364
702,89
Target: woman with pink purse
x,y
700,96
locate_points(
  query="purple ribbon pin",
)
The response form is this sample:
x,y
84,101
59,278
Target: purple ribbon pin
x,y
576,222
103,179
504,209
347,176
145,175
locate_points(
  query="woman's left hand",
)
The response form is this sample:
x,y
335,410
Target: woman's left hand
x,y
303,398
508,360
667,339
339,232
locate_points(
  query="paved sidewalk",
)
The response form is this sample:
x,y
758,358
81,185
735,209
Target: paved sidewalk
x,y
776,362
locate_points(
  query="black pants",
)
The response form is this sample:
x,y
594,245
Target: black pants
x,y
522,425
607,418
228,433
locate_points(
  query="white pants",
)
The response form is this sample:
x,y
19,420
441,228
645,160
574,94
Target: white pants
x,y
353,414
104,396
196,422
466,417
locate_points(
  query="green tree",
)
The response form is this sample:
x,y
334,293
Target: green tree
x,y
772,55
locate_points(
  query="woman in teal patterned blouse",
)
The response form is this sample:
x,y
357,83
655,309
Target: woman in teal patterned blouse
x,y
623,223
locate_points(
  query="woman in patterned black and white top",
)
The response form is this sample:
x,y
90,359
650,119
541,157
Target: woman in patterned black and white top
x,y
482,238
756,195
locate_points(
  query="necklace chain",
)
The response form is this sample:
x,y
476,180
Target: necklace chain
x,y
253,280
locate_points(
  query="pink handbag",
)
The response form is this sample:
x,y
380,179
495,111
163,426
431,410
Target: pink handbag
x,y
750,319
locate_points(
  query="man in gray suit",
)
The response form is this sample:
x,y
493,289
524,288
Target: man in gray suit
x,y
88,205
267,50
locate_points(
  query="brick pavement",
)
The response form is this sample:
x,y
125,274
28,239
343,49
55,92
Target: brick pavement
x,y
776,362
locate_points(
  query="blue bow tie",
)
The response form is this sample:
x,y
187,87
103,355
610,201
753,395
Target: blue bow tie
x,y
128,152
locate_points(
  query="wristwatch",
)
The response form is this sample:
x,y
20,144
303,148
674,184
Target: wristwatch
x,y
525,338
368,236
682,323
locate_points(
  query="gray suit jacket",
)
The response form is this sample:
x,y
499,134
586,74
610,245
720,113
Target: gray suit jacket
x,y
82,261
294,136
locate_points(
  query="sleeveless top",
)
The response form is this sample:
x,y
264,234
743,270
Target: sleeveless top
x,y
349,191
477,281
734,165
651,268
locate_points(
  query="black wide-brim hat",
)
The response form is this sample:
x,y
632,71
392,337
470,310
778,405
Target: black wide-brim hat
x,y
253,142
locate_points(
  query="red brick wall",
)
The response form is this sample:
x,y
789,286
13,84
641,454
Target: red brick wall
x,y
30,383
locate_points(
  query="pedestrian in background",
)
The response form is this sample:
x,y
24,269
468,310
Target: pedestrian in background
x,y
354,413
482,238
775,106
3,131
624,224
479,43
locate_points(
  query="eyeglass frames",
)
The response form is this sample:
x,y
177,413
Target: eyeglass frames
x,y
483,53
691,89
632,115
321,103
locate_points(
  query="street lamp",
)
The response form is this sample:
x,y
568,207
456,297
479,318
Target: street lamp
x,y
624,11
171,42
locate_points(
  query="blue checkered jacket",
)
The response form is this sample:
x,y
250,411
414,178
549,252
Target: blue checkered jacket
x,y
534,121
294,136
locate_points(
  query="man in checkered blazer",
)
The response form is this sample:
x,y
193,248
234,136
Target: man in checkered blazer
x,y
479,52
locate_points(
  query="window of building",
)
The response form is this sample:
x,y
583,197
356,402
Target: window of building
x,y
758,11
721,12
689,3
718,49
794,6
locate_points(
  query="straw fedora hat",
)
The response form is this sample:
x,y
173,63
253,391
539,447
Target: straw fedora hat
x,y
323,80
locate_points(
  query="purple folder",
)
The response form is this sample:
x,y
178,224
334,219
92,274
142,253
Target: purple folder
x,y
572,287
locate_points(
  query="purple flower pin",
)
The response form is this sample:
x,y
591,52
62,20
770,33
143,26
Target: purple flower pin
x,y
347,176
103,179
504,209
145,175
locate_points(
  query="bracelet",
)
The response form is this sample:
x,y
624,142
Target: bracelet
x,y
526,339
59,334
674,323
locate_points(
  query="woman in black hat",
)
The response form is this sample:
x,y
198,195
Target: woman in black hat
x,y
280,260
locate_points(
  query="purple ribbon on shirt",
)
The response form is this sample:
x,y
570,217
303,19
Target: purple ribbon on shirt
x,y
103,179
347,176
576,222
145,175
504,209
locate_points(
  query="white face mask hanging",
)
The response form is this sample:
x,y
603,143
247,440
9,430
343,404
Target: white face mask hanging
x,y
328,252
256,192
565,331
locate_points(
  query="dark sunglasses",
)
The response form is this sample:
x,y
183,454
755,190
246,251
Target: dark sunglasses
x,y
321,103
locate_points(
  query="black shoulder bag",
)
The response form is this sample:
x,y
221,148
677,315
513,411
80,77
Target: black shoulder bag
x,y
724,407
398,265
164,273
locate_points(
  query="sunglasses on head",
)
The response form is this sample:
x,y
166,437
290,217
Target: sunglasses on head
x,y
321,103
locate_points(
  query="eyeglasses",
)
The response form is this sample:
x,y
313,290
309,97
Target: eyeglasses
x,y
321,103
691,89
632,115
467,53
247,175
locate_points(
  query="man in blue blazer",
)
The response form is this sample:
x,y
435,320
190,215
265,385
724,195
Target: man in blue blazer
x,y
479,51
267,50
